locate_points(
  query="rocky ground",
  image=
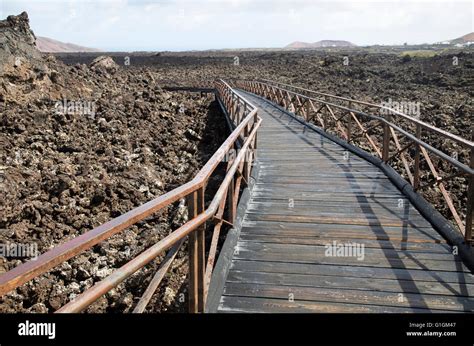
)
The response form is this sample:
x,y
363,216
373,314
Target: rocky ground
x,y
67,168
441,83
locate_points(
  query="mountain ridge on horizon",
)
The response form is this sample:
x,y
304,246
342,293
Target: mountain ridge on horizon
x,y
49,45
319,44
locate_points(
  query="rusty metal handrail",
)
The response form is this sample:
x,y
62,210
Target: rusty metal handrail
x,y
247,122
421,143
99,289
305,105
462,141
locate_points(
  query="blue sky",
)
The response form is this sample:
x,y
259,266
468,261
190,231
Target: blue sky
x,y
128,25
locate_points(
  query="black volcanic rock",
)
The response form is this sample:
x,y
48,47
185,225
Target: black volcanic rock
x,y
17,40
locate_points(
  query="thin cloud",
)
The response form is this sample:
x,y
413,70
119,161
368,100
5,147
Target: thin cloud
x,y
206,24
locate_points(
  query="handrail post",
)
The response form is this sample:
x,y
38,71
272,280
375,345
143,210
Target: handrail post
x,y
386,142
349,124
470,198
308,110
196,252
416,172
247,157
231,196
230,201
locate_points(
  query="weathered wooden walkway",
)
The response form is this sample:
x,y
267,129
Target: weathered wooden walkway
x,y
310,193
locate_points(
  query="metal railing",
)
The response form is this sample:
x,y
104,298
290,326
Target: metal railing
x,y
245,118
401,140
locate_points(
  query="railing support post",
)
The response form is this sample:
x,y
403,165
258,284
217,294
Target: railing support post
x,y
386,142
246,167
197,253
470,199
230,201
349,125
416,172
308,110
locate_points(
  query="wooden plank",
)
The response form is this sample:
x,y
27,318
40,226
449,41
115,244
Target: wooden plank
x,y
365,211
323,184
333,162
441,277
363,217
318,157
406,232
347,235
340,282
318,294
317,251
339,199
232,304
299,209
360,219
403,263
305,150
318,179
394,207
372,176
336,166
368,243
303,194
286,188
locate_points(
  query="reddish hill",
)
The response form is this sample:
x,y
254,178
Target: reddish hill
x,y
49,45
464,39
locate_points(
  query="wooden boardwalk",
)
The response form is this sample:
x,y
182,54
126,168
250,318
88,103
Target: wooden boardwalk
x,y
310,193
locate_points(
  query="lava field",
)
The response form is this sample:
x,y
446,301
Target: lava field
x,y
126,140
